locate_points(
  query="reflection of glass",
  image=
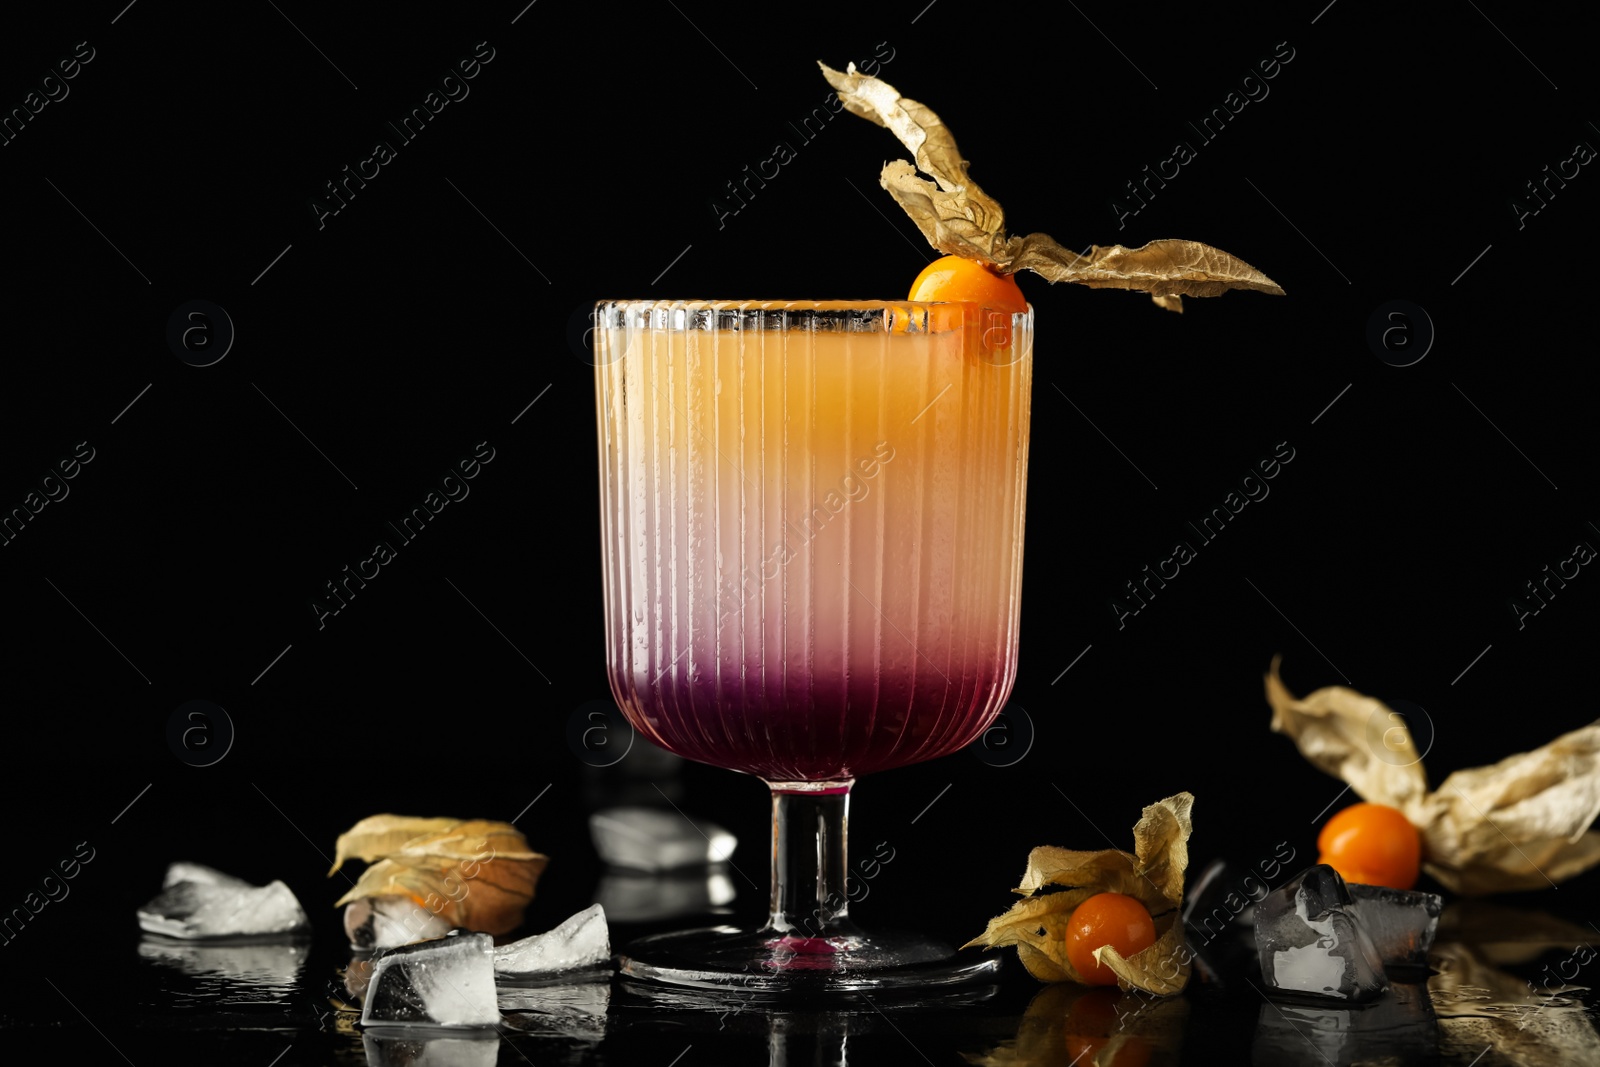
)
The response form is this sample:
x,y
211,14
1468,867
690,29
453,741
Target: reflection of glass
x,y
812,518
728,1025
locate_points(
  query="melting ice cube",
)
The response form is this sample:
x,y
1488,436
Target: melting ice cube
x,y
574,1009
1215,913
198,902
445,982
1311,941
1400,922
651,840
200,874
581,941
389,922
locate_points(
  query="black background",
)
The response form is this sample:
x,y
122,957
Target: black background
x,y
414,324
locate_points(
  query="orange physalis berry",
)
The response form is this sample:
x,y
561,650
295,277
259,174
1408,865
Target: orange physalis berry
x,y
1114,919
1372,844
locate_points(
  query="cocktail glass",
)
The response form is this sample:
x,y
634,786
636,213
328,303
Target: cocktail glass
x,y
812,520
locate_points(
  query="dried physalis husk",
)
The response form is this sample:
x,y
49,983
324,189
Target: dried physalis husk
x,y
475,874
1520,824
960,219
1152,874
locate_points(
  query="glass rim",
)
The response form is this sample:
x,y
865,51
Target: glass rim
x,y
853,316
796,305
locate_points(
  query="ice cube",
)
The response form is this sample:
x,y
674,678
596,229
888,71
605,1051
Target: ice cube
x,y
1311,942
445,982
221,908
651,840
563,1009
468,1050
1215,909
200,874
581,941
1219,903
1400,922
389,922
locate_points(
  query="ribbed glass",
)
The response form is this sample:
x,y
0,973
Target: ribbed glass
x,y
812,516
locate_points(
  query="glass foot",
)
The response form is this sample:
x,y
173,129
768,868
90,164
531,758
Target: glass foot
x,y
723,957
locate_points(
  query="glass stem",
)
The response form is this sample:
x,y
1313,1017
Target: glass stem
x,y
810,825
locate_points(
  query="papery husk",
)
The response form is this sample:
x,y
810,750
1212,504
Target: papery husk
x,y
1162,969
476,874
1336,729
958,218
1143,1026
1151,874
1520,824
401,836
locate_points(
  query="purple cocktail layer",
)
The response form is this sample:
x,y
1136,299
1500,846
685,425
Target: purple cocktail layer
x,y
820,729
813,536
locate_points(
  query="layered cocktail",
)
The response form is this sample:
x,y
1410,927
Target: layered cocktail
x,y
813,518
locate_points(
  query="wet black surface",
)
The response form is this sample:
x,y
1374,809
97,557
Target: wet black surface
x,y
1486,1003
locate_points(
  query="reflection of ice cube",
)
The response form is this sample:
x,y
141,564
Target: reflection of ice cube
x,y
248,963
228,908
389,1050
1400,922
1311,942
1399,1028
446,982
581,941
651,840
637,897
389,922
